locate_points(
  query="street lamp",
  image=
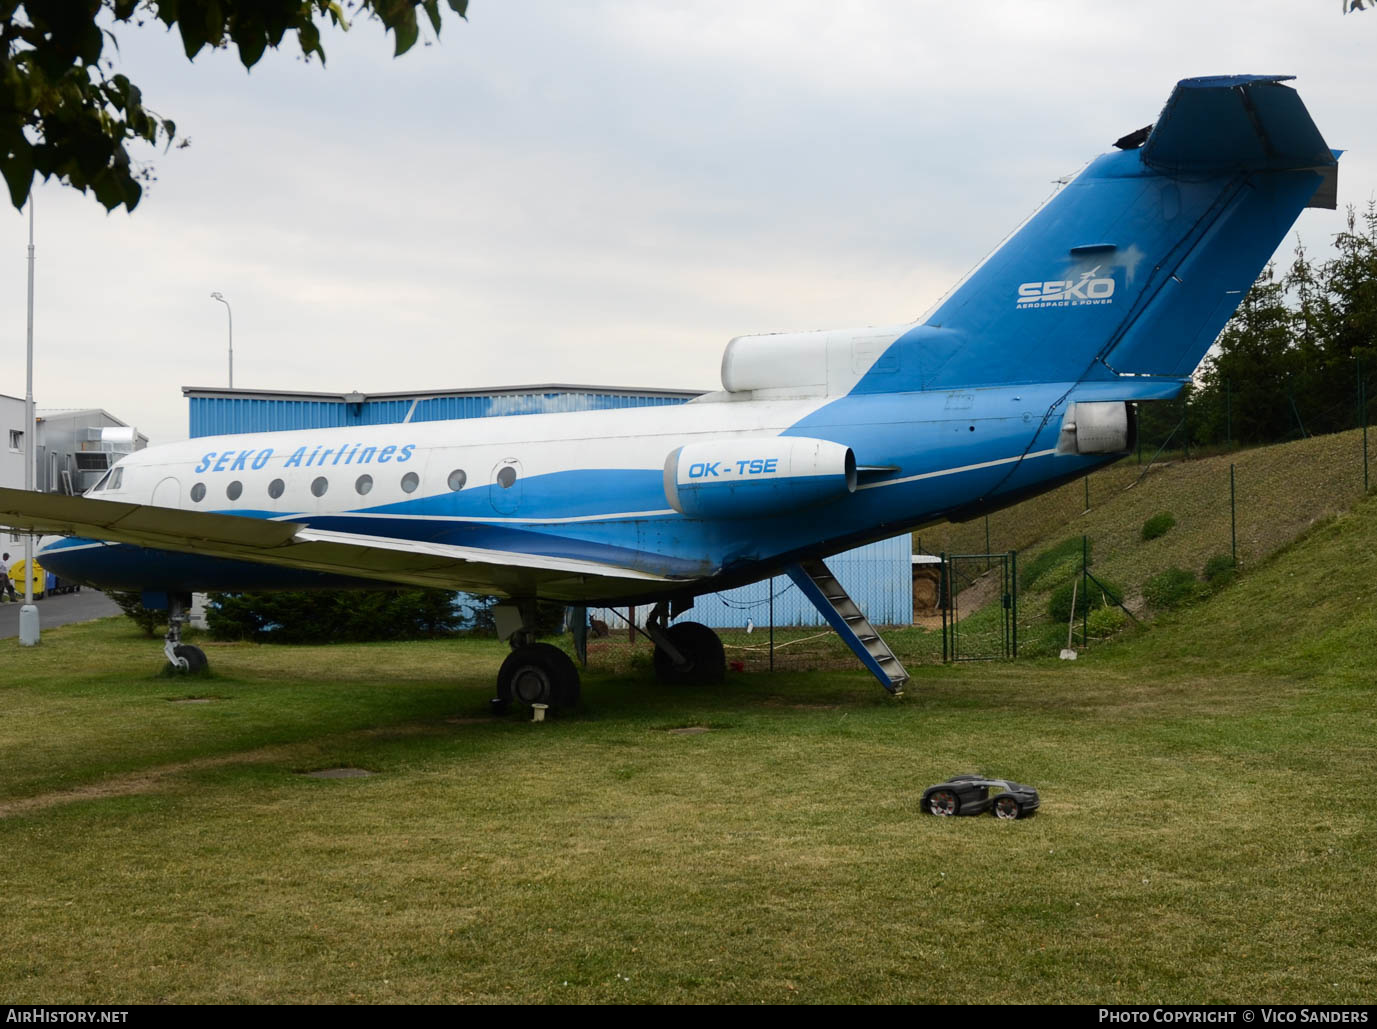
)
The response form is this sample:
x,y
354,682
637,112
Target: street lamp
x,y
217,295
28,614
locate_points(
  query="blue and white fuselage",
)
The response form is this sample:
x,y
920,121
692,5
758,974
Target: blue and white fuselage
x,y
592,485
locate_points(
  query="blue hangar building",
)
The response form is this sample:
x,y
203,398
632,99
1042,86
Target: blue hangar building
x,y
878,576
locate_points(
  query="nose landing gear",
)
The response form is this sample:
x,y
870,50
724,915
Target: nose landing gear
x,y
182,658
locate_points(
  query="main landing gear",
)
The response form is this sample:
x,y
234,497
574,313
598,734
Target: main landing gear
x,y
533,673
687,653
182,658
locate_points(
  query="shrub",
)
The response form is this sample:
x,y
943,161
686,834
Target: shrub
x,y
329,616
131,604
1220,570
1052,564
1171,589
1158,525
1059,604
1105,622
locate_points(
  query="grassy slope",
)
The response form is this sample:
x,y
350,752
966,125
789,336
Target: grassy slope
x,y
1281,492
1206,832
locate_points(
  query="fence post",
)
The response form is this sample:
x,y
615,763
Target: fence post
x,y
1085,592
1233,520
772,623
1013,575
1362,408
943,598
1186,425
1228,415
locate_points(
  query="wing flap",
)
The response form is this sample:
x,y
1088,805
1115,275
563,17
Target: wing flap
x,y
293,545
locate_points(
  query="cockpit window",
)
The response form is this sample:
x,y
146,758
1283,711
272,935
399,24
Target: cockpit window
x,y
116,478
100,485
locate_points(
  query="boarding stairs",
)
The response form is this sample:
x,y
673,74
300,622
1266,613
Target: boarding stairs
x,y
821,587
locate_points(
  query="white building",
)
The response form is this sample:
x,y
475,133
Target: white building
x,y
75,448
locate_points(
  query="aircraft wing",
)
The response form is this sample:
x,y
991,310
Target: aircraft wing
x,y
293,545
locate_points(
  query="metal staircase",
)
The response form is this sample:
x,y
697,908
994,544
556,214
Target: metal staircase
x,y
821,587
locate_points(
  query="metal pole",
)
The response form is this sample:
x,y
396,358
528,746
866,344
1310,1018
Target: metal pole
x,y
1362,409
772,623
942,587
1085,592
1013,578
28,614
1228,415
987,543
1233,519
1186,426
217,295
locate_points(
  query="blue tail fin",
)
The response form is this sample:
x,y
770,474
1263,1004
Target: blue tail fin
x,y
1135,267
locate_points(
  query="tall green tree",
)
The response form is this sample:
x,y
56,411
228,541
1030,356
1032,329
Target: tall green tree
x,y
66,114
1252,370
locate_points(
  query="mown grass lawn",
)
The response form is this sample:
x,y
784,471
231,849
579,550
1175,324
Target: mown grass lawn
x,y
1206,832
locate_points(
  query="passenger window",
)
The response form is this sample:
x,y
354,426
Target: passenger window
x,y
234,489
320,485
275,488
198,493
506,477
457,478
363,484
410,481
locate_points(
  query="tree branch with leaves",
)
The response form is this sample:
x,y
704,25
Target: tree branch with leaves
x,y
66,114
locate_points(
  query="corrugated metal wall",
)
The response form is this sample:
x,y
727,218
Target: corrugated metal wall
x,y
221,415
437,409
879,578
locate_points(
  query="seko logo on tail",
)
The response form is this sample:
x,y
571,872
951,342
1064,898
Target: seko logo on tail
x,y
1090,288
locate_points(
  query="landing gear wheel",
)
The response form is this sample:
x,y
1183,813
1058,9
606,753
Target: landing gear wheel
x,y
538,674
944,802
190,660
705,660
1006,806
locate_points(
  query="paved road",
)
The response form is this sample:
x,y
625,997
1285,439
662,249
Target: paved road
x,y
59,610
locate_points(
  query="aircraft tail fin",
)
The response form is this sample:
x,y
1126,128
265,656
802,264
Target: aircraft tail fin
x,y
1136,266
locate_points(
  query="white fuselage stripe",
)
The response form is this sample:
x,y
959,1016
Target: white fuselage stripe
x,y
957,471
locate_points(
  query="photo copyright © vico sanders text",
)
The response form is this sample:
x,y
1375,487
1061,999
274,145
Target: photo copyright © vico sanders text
x,y
1169,1015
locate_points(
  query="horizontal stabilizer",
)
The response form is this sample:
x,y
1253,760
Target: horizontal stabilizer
x,y
1243,122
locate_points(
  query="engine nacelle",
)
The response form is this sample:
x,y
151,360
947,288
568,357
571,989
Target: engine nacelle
x,y
753,476
1098,427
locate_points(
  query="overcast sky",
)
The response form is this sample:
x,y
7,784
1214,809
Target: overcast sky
x,y
607,192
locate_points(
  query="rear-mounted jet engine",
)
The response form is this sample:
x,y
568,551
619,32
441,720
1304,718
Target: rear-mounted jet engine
x,y
749,477
1098,427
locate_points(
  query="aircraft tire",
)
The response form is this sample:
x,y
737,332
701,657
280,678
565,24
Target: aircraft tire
x,y
539,674
707,661
195,659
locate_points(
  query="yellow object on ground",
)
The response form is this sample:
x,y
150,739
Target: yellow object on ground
x,y
39,578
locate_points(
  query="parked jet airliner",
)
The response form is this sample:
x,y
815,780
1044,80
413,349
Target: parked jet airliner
x,y
1028,375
